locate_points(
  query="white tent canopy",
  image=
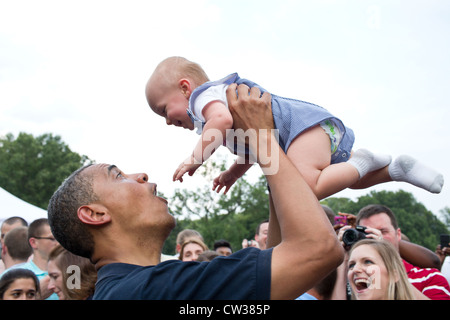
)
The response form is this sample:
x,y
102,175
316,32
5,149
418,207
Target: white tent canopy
x,y
11,206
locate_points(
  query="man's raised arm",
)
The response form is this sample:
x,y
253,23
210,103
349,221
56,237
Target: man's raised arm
x,y
309,249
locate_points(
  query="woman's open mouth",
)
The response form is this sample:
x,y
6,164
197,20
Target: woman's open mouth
x,y
362,284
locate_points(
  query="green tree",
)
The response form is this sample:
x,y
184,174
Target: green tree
x,y
233,216
445,214
32,168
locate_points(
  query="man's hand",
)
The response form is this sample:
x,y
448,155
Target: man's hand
x,y
249,243
253,123
442,252
249,109
371,233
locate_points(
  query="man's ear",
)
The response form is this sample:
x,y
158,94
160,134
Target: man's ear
x,y
32,242
94,215
185,87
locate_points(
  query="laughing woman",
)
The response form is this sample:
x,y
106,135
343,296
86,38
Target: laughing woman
x,y
376,272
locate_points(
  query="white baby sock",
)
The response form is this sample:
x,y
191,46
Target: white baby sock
x,y
408,169
366,161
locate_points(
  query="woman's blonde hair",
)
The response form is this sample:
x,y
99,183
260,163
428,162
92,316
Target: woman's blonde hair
x,y
399,287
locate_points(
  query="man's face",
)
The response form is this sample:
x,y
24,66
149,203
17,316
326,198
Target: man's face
x,y
131,200
45,243
261,237
224,251
382,222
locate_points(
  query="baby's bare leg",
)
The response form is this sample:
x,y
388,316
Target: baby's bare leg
x,y
310,152
373,178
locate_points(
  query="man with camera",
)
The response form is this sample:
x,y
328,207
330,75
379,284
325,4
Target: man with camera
x,y
379,222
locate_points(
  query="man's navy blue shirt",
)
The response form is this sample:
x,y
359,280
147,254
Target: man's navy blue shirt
x,y
244,275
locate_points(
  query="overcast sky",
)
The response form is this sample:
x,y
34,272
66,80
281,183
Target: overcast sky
x,y
78,69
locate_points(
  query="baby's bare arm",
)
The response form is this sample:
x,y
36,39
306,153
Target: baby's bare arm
x,y
218,120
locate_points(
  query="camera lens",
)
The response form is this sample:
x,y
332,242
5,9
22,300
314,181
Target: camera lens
x,y
353,235
350,237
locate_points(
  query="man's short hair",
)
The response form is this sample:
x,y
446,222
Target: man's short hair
x,y
222,243
15,219
12,220
16,241
374,209
36,228
76,191
329,212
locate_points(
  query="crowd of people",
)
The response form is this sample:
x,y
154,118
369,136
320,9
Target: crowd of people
x,y
374,267
106,229
35,267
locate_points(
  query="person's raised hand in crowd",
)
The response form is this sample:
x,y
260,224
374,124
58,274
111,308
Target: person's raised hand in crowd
x,y
442,252
249,243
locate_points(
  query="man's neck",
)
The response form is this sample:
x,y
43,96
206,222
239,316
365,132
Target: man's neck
x,y
146,257
40,262
11,262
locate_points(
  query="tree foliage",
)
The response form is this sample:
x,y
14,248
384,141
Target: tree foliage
x,y
445,216
32,168
233,216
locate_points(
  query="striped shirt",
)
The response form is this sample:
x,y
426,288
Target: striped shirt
x,y
428,281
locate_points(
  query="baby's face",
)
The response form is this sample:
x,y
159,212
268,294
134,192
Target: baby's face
x,y
172,105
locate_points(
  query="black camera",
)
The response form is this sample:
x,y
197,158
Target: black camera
x,y
351,236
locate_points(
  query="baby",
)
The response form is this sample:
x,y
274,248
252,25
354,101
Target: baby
x,y
317,142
